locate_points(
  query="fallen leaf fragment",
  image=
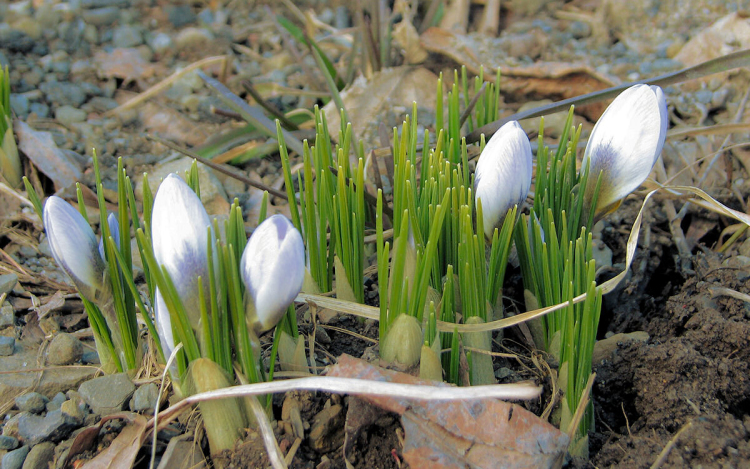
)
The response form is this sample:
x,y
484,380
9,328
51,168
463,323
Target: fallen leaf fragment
x,y
121,453
482,433
551,80
42,150
127,64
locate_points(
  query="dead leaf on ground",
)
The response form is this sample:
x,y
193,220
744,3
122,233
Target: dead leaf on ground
x,y
121,453
485,433
127,64
171,125
42,150
386,97
551,80
52,303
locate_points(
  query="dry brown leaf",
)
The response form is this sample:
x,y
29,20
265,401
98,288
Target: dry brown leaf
x,y
171,125
386,97
483,433
729,34
552,80
127,64
121,453
42,150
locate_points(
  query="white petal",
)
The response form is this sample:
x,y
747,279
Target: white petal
x,y
503,174
626,141
179,232
163,324
74,247
273,268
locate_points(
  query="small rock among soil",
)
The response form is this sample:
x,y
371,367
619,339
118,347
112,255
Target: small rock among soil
x,y
64,349
107,394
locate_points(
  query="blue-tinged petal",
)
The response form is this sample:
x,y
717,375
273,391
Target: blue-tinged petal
x,y
273,269
625,143
74,248
114,231
503,174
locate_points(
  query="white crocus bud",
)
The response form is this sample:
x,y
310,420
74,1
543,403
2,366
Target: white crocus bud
x,y
624,145
75,249
114,231
179,226
503,174
273,268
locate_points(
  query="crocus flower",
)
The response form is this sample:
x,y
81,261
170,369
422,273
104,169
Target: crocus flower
x,y
179,226
624,145
503,174
273,268
75,248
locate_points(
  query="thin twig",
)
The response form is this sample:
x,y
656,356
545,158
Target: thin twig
x,y
248,85
218,167
164,84
665,452
720,64
472,103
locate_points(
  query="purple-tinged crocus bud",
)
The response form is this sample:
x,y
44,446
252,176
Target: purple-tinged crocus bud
x,y
75,248
179,230
272,268
114,231
624,145
503,176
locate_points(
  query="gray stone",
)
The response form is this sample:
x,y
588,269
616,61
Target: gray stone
x,y
14,459
190,38
7,346
55,426
127,36
145,397
56,402
182,452
7,316
180,15
19,103
40,456
7,282
41,110
107,394
31,402
10,428
71,409
14,40
8,443
67,115
160,43
101,16
64,349
62,93
104,3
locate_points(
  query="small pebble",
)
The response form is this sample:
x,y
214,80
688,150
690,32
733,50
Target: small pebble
x,y
67,115
7,345
127,36
14,459
56,402
64,349
145,398
40,456
8,443
31,402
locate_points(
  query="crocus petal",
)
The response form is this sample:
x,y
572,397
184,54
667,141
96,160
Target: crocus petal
x,y
625,143
273,268
179,232
163,324
114,231
74,247
503,174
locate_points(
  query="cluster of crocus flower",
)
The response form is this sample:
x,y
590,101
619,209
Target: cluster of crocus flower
x,y
272,265
623,148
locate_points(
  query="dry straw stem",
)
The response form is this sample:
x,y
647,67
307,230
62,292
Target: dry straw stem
x,y
703,199
164,84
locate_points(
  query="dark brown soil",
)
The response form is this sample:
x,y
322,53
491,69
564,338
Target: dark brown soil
x,y
691,377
